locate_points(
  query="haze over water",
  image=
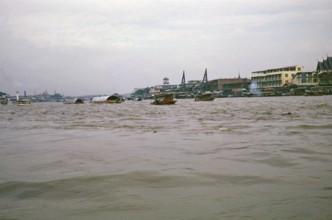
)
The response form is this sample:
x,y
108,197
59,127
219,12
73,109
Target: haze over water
x,y
233,158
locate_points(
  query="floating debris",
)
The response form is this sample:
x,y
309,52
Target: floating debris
x,y
224,129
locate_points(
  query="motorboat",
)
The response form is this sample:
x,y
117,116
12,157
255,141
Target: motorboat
x,y
164,99
204,97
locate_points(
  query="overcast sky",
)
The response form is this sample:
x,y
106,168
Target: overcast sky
x,y
81,47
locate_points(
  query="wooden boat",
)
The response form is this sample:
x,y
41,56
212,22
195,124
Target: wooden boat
x,y
3,100
204,97
164,99
23,102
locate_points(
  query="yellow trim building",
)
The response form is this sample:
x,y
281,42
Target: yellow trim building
x,y
276,77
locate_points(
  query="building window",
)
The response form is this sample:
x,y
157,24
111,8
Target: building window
x,y
299,69
286,75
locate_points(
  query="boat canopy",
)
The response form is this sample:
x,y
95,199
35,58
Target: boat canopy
x,y
100,99
108,99
73,101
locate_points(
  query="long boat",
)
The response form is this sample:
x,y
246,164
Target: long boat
x,y
115,98
23,102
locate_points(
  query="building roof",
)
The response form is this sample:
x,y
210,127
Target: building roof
x,y
325,65
286,68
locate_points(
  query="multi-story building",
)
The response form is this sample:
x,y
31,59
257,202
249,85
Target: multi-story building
x,y
276,77
306,79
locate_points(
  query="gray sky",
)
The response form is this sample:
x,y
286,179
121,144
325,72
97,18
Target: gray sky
x,y
80,47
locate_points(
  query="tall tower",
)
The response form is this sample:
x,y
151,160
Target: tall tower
x,y
166,81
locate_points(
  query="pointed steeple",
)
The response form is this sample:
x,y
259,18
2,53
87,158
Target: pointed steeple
x,y
205,79
183,81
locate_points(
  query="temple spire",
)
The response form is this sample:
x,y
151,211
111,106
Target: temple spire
x,y
205,79
183,81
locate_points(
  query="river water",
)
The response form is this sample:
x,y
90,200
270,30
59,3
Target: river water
x,y
232,158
